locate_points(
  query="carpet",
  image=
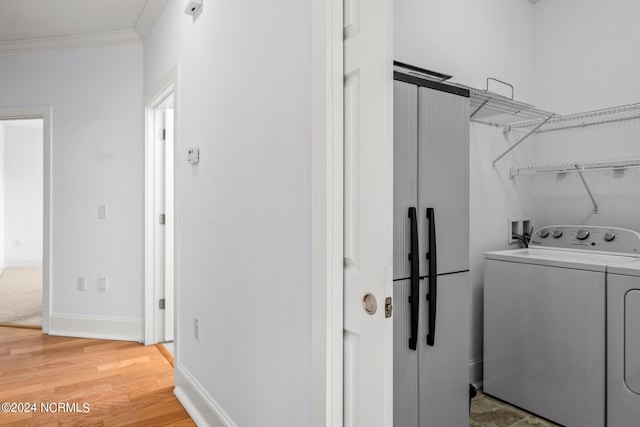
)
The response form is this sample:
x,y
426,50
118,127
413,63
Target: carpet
x,y
21,296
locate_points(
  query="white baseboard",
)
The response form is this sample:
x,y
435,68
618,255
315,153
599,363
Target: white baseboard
x,y
475,372
18,263
202,408
110,328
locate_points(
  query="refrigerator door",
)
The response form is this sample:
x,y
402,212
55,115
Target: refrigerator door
x,y
405,360
405,173
444,368
443,177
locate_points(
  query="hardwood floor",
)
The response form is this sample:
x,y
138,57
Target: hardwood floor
x,y
119,383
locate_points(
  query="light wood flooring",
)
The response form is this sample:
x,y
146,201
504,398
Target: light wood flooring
x,y
123,383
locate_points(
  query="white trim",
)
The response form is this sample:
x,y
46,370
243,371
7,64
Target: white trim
x,y
19,263
199,404
110,328
46,114
148,17
62,43
475,372
327,213
170,83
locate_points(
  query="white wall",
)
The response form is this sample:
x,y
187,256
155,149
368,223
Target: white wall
x,y
474,40
583,62
581,54
97,145
23,151
244,226
469,39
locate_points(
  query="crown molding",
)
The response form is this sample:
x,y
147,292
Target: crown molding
x,y
62,43
148,17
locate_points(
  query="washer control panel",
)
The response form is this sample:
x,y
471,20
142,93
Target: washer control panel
x,y
589,238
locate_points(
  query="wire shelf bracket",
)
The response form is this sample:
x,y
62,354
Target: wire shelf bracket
x,y
586,187
521,140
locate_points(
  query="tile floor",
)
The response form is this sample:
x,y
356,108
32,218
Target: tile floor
x,y
489,412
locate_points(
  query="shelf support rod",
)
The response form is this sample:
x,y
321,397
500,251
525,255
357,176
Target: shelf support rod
x,y
522,140
478,109
586,186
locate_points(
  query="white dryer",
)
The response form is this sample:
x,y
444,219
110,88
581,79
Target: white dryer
x,y
545,321
623,345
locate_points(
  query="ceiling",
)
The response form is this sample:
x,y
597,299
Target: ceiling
x,y
37,25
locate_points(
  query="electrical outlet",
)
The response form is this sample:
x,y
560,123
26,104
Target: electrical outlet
x,y
518,226
102,284
196,329
193,155
82,283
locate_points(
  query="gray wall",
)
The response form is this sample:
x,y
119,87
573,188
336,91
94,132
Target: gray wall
x,y
97,123
576,74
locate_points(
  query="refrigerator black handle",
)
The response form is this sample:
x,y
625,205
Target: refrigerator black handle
x,y
432,296
414,259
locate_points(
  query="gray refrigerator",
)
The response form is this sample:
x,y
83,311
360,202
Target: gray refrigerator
x,y
431,253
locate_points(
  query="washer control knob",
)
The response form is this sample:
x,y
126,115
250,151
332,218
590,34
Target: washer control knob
x,y
609,236
582,234
557,233
544,233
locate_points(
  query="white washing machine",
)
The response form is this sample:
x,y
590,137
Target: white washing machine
x,y
545,321
623,345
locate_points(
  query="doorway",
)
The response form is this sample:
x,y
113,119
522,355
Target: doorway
x,y
25,216
160,253
21,222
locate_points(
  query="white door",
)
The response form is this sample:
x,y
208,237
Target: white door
x,y
163,220
368,212
160,187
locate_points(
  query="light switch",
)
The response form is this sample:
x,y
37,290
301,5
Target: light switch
x,y
102,284
102,211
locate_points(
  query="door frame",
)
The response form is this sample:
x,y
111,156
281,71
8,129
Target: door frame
x,y
45,113
327,219
327,142
167,85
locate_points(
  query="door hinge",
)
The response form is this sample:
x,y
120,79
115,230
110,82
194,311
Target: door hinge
x,y
388,307
163,134
161,219
161,304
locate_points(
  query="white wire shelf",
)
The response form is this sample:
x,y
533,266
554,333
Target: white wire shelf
x,y
576,167
579,120
579,168
572,121
496,110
